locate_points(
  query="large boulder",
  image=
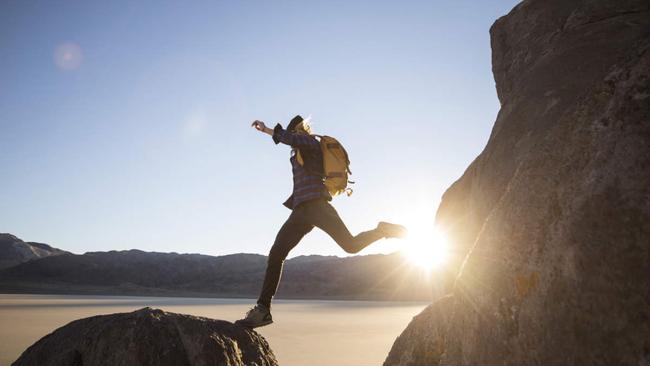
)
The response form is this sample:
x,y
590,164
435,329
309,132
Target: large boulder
x,y
149,337
551,222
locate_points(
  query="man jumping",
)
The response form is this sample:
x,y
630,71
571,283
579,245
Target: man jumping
x,y
310,207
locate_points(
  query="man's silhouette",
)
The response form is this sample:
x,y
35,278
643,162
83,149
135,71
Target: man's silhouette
x,y
310,207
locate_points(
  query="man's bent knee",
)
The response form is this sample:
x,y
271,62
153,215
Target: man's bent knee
x,y
350,249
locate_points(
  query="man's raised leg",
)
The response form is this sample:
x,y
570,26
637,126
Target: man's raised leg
x,y
325,217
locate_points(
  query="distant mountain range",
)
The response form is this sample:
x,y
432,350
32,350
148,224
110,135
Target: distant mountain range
x,y
135,272
14,251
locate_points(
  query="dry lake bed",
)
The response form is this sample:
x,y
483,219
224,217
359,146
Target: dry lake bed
x,y
305,332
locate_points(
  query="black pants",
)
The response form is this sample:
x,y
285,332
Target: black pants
x,y
318,213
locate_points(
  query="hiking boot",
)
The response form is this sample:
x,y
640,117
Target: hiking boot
x,y
392,230
258,316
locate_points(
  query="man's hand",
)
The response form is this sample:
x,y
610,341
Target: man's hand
x,y
260,126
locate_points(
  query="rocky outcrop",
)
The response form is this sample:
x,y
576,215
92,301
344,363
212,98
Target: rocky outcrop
x,y
149,337
551,222
14,251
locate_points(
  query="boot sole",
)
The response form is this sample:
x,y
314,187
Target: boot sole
x,y
253,326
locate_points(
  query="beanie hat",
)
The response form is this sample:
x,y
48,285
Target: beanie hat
x,y
295,121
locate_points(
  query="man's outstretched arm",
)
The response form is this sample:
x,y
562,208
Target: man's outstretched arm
x,y
286,137
260,126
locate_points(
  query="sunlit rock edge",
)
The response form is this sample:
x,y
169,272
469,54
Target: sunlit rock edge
x,y
550,224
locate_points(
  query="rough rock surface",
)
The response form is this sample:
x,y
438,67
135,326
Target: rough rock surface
x,y
149,337
14,251
551,222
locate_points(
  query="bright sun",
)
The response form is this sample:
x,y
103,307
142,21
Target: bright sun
x,y
426,246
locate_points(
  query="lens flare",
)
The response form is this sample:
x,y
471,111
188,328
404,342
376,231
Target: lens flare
x,y
426,247
68,56
195,124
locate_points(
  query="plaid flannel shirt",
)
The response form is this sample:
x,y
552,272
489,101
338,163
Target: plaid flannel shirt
x,y
306,186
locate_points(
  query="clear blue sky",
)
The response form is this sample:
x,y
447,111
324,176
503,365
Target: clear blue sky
x,y
127,124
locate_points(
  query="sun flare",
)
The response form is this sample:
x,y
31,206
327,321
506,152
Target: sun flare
x,y
426,247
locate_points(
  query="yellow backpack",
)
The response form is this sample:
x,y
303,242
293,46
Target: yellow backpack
x,y
336,165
